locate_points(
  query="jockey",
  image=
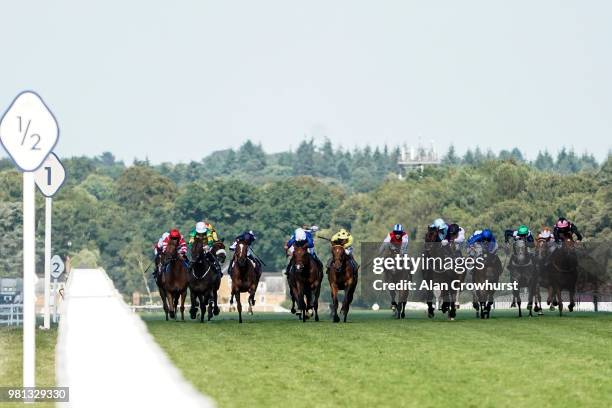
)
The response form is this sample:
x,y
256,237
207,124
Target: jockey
x,y
207,229
563,226
397,238
305,233
344,238
442,228
181,247
208,233
157,250
484,236
248,237
455,234
545,235
522,233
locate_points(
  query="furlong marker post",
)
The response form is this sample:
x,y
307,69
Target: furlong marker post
x,y
48,212
28,132
29,279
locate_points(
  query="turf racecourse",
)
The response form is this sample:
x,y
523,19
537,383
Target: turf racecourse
x,y
275,360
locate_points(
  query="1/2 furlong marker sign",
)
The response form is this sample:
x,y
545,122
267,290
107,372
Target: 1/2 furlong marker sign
x,y
28,132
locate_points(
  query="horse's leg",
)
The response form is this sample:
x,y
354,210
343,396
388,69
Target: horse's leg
x,y
171,307
238,305
516,295
315,301
348,299
334,295
231,303
193,310
183,295
393,302
572,293
252,291
216,302
210,302
202,300
475,301
453,304
162,294
560,300
430,308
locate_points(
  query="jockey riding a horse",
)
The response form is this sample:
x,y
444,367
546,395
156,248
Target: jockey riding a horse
x,y
483,237
157,250
303,234
249,238
396,240
209,234
564,227
344,238
449,233
181,247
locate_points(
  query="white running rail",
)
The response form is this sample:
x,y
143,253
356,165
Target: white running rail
x,y
106,355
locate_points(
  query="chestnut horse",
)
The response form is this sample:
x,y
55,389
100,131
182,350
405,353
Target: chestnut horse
x,y
173,280
245,275
341,276
304,278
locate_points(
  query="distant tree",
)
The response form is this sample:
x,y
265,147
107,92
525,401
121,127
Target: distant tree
x,y
141,188
251,157
451,158
544,161
303,160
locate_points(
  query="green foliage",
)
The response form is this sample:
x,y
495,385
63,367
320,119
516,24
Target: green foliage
x,y
112,214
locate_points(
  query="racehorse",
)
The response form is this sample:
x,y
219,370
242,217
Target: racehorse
x,y
564,271
203,280
544,250
304,277
341,276
438,273
172,280
523,271
393,275
483,298
245,274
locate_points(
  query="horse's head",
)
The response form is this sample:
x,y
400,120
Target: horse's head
x,y
218,250
170,252
197,247
300,255
432,234
338,256
241,252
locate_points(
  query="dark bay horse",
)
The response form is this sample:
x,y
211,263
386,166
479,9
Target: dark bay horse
x,y
399,298
435,271
544,250
523,271
245,275
564,271
341,276
483,298
204,280
304,277
173,280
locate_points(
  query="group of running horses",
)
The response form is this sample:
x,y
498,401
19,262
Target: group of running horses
x,y
550,267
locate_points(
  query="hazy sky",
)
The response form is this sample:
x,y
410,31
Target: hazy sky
x,y
176,80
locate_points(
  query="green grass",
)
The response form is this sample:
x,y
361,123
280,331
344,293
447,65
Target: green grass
x,y
274,360
11,364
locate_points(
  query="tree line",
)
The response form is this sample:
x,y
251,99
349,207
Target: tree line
x,y
112,213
